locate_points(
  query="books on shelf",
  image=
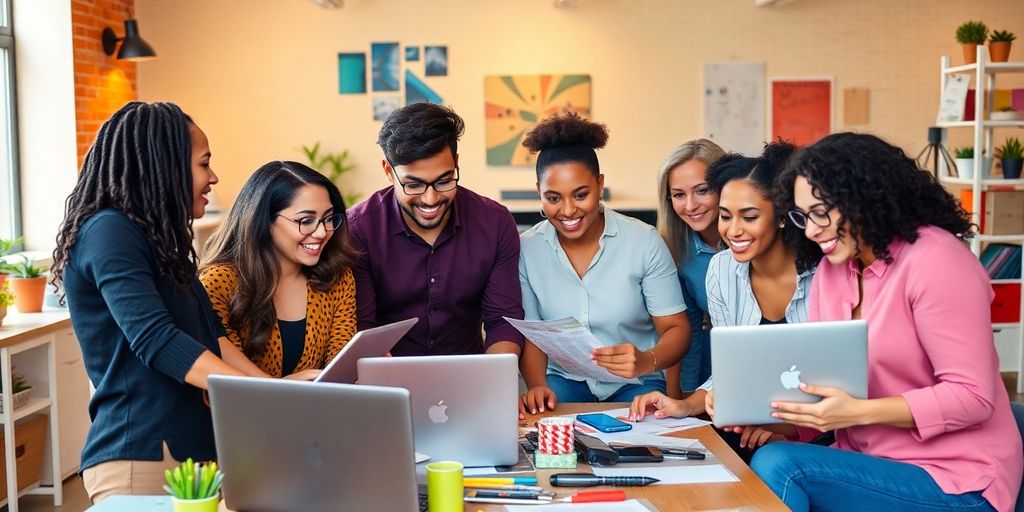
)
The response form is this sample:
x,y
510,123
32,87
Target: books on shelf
x,y
1002,261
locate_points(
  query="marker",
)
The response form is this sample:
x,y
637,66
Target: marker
x,y
683,454
519,480
595,496
519,495
588,480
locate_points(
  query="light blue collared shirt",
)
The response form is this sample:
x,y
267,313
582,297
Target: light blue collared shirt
x,y
731,298
631,279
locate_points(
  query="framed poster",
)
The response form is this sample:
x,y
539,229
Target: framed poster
x,y
801,109
734,105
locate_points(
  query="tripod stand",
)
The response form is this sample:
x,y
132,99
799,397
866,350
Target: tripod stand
x,y
933,152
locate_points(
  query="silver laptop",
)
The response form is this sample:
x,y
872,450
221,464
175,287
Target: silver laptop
x,y
373,342
287,445
752,366
463,407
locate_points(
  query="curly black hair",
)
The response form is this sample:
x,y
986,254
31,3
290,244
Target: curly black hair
x,y
140,164
763,171
419,131
567,138
879,191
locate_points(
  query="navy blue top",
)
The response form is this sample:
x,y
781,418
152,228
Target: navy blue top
x,y
139,337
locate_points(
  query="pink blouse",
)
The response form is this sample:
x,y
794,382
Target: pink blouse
x,y
930,341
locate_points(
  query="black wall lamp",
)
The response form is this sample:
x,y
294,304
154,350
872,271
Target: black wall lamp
x,y
133,47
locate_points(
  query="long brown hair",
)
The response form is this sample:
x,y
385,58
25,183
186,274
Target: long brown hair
x,y
672,228
244,242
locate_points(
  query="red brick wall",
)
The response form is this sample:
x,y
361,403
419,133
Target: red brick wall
x,y
102,83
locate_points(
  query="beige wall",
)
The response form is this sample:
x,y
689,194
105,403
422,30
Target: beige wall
x,y
260,76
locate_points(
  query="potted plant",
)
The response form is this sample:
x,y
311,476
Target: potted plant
x,y
1013,158
28,284
20,390
6,299
964,162
194,486
6,246
334,166
999,45
1004,114
970,35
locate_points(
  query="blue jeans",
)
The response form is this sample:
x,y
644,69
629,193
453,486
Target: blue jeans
x,y
568,390
813,477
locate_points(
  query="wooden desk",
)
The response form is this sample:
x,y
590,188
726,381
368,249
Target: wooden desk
x,y
750,491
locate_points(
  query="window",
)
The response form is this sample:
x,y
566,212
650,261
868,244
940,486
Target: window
x,y
10,200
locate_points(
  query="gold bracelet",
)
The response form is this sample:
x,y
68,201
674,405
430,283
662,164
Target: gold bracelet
x,y
655,358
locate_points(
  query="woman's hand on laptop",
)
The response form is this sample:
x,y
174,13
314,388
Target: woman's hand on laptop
x,y
836,410
662,406
303,375
624,360
537,399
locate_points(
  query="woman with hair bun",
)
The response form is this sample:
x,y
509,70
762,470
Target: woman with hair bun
x,y
614,274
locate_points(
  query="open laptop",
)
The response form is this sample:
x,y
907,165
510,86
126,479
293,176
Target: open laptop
x,y
373,342
463,407
752,366
288,445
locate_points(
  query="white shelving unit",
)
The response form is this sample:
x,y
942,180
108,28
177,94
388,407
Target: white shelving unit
x,y
984,74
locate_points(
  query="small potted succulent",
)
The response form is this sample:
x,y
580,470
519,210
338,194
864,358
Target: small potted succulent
x,y
194,487
6,299
1013,158
970,35
964,162
29,285
999,45
20,390
1004,114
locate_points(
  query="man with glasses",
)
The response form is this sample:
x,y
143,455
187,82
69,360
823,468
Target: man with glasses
x,y
432,249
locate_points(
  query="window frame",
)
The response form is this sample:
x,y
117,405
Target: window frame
x,y
9,97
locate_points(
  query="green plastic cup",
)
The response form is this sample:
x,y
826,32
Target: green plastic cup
x,y
204,505
444,486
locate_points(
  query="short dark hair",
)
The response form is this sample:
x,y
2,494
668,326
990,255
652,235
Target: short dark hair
x,y
419,131
880,192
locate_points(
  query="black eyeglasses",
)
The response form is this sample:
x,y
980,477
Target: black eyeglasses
x,y
309,225
415,188
818,216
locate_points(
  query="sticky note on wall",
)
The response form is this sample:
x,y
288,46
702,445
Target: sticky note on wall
x,y
855,106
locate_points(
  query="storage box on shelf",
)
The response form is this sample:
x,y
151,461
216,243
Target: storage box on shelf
x,y
996,204
29,444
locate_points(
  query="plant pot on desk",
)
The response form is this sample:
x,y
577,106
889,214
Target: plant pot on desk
x,y
19,398
204,505
28,293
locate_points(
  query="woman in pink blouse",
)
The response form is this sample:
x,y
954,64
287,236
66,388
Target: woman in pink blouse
x,y
936,431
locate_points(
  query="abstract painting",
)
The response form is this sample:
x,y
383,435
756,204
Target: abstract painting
x,y
435,60
383,106
513,105
385,72
412,53
416,91
351,73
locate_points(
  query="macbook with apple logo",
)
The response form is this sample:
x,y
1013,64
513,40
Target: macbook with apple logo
x,y
286,445
753,366
463,407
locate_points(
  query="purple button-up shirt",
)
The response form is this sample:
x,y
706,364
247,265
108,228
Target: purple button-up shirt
x,y
469,276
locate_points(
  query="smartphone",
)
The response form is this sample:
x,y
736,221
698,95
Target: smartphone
x,y
639,454
603,422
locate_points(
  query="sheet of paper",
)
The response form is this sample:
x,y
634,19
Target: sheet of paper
x,y
658,441
657,426
696,474
479,470
619,506
568,343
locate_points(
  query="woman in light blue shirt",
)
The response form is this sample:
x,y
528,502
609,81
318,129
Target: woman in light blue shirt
x,y
688,221
760,280
612,273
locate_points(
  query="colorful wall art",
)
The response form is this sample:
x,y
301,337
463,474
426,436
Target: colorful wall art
x,y
385,73
734,105
513,105
416,91
383,106
801,109
412,53
351,73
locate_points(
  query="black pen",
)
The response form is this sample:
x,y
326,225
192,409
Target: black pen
x,y
518,495
683,454
588,480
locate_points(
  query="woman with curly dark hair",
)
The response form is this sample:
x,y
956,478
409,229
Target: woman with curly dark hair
x,y
936,431
612,273
148,334
762,279
279,271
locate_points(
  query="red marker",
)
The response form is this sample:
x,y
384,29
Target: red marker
x,y
595,496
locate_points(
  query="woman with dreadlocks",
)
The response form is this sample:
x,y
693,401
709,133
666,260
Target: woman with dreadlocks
x,y
148,333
